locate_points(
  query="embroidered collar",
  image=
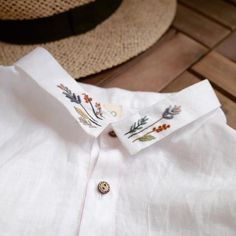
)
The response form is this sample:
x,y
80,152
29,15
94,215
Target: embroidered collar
x,y
137,130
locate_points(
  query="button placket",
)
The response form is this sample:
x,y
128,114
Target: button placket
x,y
102,191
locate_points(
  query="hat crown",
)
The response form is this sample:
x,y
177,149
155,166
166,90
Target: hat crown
x,y
32,9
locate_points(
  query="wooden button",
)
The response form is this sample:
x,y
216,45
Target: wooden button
x,y
112,134
103,187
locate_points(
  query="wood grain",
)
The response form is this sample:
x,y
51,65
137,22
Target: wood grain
x,y
159,68
199,27
219,10
228,47
219,70
187,79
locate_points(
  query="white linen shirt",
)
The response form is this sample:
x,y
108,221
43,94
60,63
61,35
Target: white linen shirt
x,y
170,161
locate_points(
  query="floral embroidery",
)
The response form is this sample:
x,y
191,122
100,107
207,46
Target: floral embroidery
x,y
169,113
88,99
137,125
99,109
85,117
148,136
69,94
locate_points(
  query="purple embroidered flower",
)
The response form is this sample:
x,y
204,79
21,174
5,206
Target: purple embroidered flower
x,y
170,112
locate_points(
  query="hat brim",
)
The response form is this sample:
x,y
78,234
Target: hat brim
x,y
134,27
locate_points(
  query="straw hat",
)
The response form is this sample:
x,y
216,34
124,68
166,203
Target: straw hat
x,y
118,31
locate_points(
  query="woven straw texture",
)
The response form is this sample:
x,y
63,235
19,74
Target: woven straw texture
x,y
134,27
32,9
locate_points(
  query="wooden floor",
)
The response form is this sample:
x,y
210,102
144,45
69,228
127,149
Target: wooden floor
x,y
201,43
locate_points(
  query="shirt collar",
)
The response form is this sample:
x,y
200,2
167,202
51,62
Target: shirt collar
x,y
147,117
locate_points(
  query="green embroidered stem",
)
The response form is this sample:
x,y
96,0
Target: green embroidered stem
x,y
91,118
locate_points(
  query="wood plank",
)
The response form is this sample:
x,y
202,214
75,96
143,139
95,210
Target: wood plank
x,y
229,108
219,10
199,27
187,79
228,47
219,70
115,71
232,1
160,67
184,80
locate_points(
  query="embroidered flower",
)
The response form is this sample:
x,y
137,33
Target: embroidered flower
x,y
161,128
98,105
85,117
87,99
168,113
99,109
149,137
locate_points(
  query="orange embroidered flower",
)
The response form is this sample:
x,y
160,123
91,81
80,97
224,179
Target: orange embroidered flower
x,y
87,99
161,128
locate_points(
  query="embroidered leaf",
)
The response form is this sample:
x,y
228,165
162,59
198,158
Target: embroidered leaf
x,y
146,137
72,96
81,113
170,112
86,122
137,125
84,116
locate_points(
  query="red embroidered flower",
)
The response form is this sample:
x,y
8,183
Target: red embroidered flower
x,y
87,99
161,128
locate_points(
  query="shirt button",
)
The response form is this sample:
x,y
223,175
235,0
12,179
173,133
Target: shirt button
x,y
112,134
103,187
